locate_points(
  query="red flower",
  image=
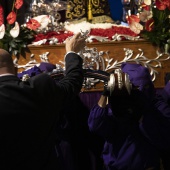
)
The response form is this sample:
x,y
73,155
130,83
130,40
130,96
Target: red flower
x,y
132,18
1,15
33,24
1,10
145,7
18,4
162,4
11,18
149,25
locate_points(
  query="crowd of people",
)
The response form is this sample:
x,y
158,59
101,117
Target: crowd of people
x,y
44,125
135,126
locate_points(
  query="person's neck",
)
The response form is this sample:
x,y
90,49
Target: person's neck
x,y
6,74
6,71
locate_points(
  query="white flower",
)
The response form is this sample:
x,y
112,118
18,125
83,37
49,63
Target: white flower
x,y
43,20
2,31
136,27
147,2
14,32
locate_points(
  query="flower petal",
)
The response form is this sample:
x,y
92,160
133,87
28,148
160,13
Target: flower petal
x,y
136,27
147,2
145,15
160,4
149,25
43,20
2,31
132,18
11,18
33,24
14,32
18,4
1,15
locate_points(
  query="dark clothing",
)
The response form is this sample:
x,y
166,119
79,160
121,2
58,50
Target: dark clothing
x,y
74,135
29,114
156,125
125,148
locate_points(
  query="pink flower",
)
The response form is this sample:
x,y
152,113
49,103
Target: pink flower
x,y
11,18
1,15
162,4
18,4
33,24
132,18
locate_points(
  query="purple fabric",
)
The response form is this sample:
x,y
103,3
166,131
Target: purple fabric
x,y
138,74
31,72
89,98
46,67
166,92
140,77
43,67
125,147
159,118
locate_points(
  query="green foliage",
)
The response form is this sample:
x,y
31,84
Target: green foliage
x,y
15,45
160,35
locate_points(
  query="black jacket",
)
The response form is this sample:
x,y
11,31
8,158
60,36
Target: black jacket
x,y
29,112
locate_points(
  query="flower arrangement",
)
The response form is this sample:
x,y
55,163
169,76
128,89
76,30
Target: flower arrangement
x,y
153,22
14,37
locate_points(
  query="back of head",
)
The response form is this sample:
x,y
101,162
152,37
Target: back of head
x,y
6,62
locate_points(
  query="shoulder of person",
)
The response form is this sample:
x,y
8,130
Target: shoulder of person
x,y
41,78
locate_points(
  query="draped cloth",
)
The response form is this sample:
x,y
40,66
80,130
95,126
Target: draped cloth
x,y
97,11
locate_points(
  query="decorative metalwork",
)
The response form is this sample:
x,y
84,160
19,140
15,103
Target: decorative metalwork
x,y
25,77
118,71
101,61
44,57
50,8
140,58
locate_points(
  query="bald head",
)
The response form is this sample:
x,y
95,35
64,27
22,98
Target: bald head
x,y
6,62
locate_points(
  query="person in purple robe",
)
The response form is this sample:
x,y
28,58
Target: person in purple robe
x,y
155,126
118,122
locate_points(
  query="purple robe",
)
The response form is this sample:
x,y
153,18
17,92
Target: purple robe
x,y
155,125
125,147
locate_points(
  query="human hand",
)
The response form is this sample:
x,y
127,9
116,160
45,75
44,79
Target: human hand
x,y
75,43
106,91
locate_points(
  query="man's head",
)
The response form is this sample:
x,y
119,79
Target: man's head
x,y
6,63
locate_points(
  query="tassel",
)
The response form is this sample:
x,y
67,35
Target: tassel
x,y
90,16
